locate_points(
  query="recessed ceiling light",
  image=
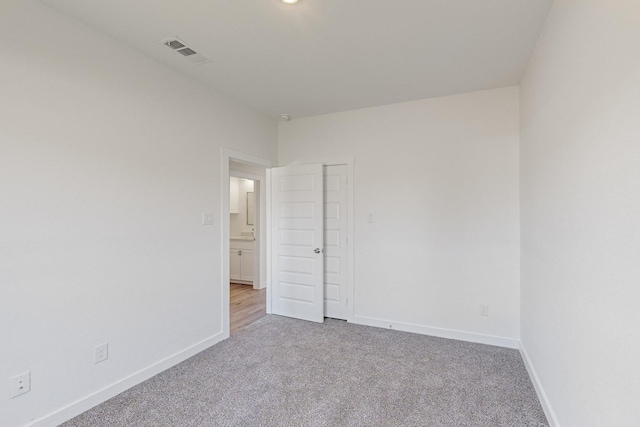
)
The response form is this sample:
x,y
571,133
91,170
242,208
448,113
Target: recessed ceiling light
x,y
290,1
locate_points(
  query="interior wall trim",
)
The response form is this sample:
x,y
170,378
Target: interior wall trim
x,y
84,404
438,332
542,395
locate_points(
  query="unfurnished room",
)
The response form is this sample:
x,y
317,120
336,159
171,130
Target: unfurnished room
x,y
320,213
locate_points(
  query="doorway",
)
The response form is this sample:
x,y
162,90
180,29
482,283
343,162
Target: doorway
x,y
247,305
242,213
247,298
267,236
244,259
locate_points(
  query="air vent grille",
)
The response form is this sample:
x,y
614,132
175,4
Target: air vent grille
x,y
174,44
187,51
183,49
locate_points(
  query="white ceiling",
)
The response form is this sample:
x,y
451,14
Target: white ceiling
x,y
322,56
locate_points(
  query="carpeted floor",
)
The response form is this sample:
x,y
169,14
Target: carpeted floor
x,y
286,372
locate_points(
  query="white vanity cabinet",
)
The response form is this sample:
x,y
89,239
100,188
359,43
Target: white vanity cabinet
x,y
241,261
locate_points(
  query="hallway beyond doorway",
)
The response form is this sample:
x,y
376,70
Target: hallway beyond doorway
x,y
246,305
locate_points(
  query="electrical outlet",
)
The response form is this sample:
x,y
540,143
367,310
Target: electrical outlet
x,y
101,352
20,384
484,309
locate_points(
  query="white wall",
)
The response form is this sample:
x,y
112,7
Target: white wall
x,y
107,162
441,178
580,189
238,221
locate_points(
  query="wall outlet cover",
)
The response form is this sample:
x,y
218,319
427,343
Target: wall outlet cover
x,y
20,384
484,309
101,352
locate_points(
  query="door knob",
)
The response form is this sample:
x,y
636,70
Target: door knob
x,y
316,250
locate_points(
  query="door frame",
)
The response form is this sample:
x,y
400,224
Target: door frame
x,y
228,155
264,257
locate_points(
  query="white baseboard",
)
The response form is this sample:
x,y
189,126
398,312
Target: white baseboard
x,y
542,396
76,408
438,332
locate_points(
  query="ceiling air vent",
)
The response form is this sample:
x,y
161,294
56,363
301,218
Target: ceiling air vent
x,y
187,52
174,44
183,49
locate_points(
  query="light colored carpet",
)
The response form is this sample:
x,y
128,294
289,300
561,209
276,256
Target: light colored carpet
x,y
286,372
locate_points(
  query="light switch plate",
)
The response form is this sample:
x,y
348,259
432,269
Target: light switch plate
x,y
207,218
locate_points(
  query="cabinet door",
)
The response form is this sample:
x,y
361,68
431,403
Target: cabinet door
x,y
234,265
246,265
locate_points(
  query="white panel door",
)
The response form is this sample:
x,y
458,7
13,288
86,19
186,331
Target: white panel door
x,y
335,241
297,236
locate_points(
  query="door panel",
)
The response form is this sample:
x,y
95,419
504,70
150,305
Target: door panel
x,y
335,238
297,224
246,265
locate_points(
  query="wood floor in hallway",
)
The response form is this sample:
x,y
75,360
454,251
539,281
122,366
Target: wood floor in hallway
x,y
247,305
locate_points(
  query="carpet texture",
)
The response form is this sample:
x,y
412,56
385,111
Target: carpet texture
x,y
285,372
